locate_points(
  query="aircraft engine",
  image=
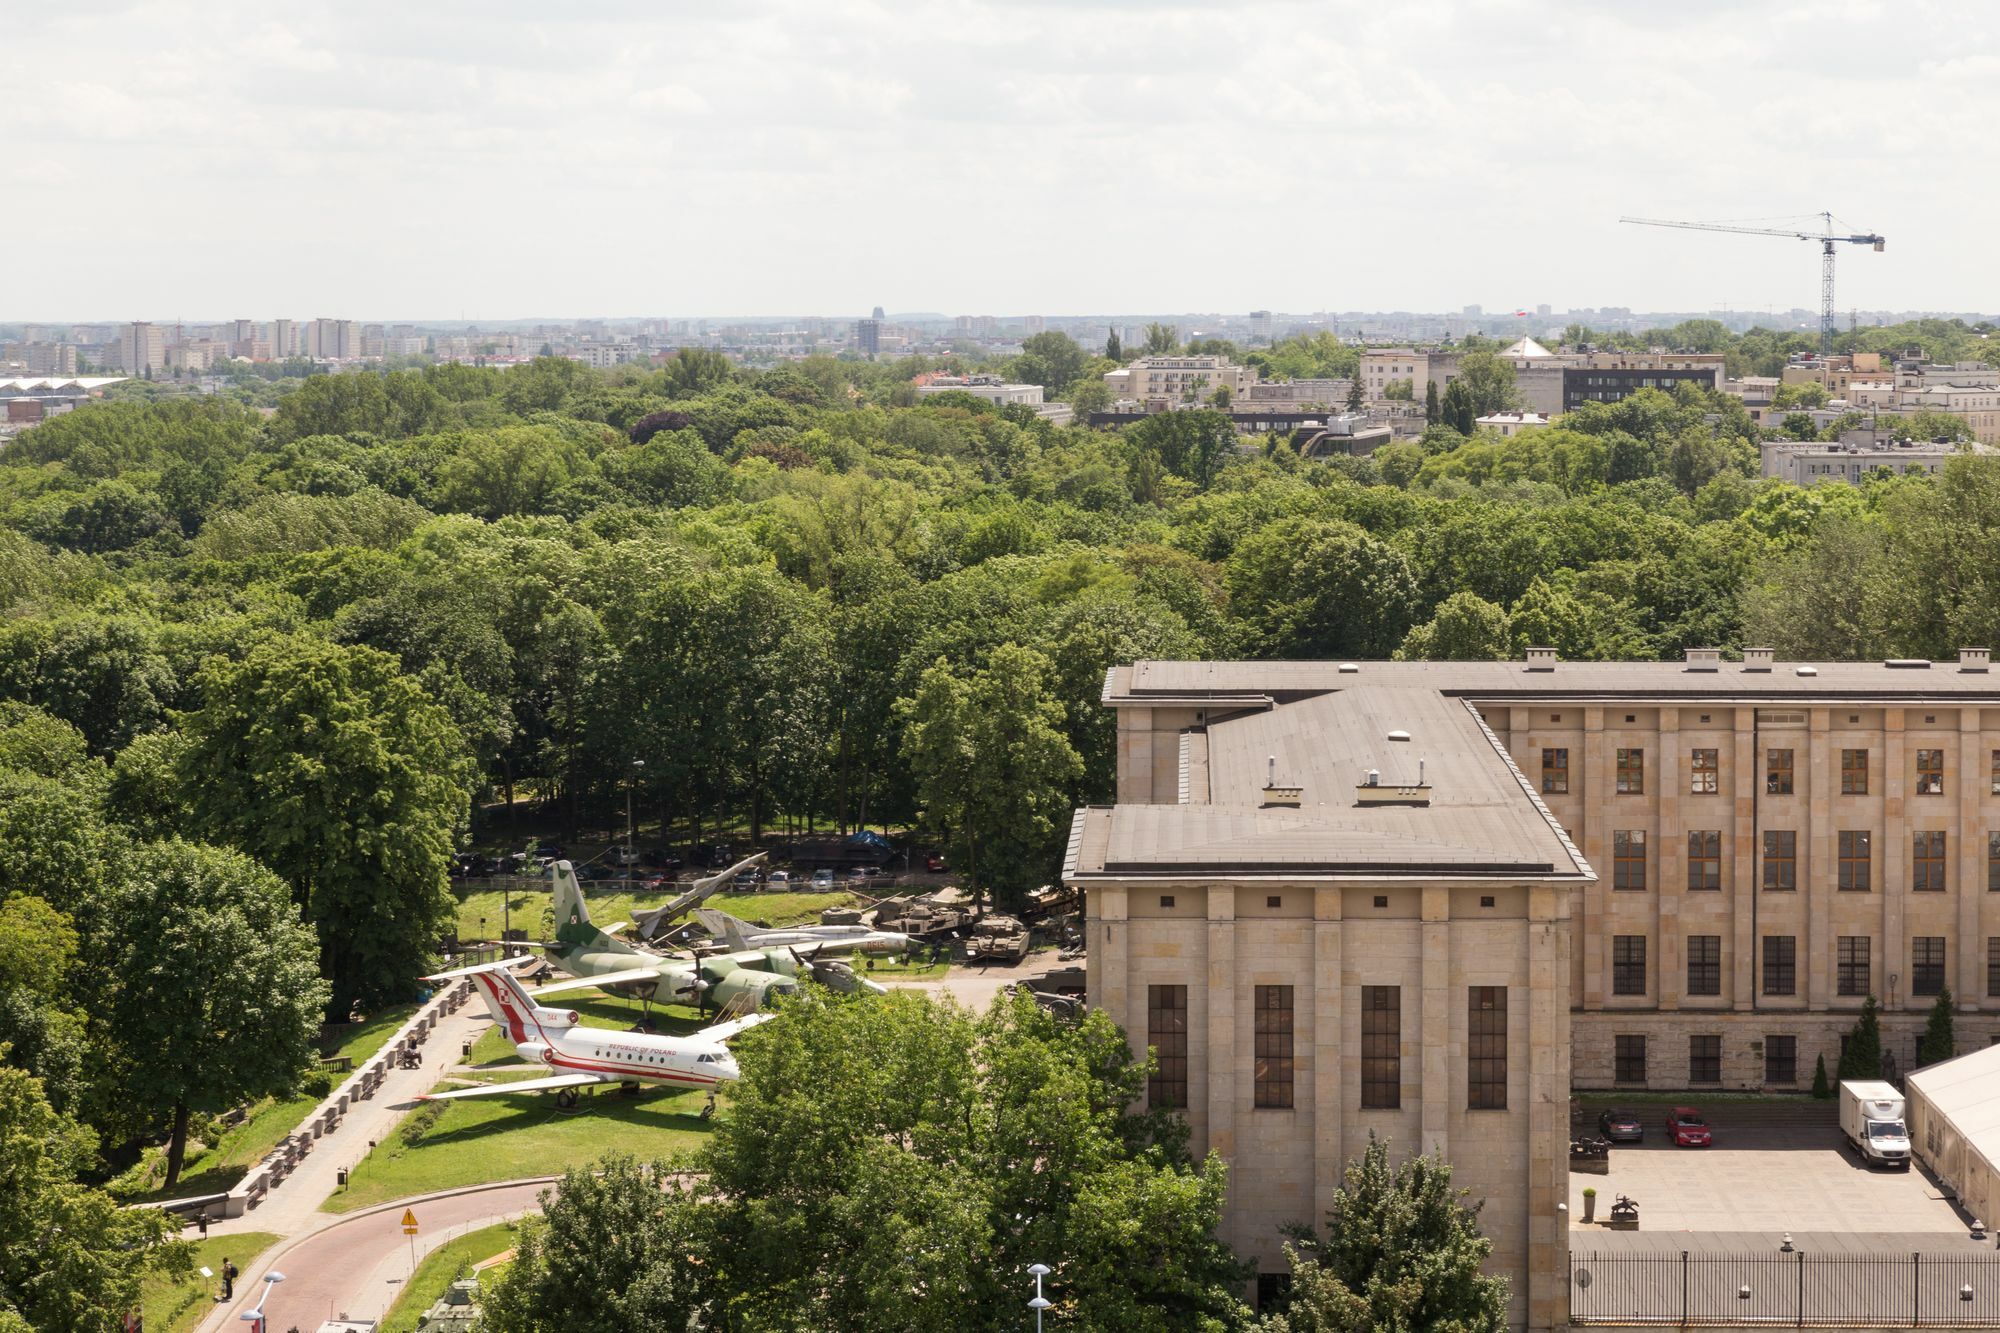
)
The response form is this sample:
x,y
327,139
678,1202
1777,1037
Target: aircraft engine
x,y
537,1052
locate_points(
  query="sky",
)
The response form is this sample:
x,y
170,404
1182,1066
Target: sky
x,y
433,160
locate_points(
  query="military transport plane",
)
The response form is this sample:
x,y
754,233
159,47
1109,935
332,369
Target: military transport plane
x,y
585,1056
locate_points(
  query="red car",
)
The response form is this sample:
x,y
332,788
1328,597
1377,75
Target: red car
x,y
1686,1128
934,863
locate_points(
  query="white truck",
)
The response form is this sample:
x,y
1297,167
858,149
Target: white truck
x,y
1871,1115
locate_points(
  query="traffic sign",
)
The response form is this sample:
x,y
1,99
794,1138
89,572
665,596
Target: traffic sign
x,y
409,1222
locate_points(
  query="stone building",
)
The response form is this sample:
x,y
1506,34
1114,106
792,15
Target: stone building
x,y
1425,899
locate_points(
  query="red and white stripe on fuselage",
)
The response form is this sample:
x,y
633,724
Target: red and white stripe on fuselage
x,y
604,1059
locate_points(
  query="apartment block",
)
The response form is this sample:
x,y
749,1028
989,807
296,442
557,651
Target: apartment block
x,y
1160,382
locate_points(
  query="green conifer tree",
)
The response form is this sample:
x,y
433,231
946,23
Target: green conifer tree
x,y
1863,1056
1821,1089
1940,1041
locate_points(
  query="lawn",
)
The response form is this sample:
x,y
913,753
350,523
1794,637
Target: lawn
x,y
480,916
215,1168
439,1269
372,1034
167,1306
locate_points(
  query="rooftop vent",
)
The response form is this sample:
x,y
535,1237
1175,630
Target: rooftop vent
x,y
1277,795
1908,664
1399,735
1704,659
1542,659
1757,659
1348,668
1806,671
1974,659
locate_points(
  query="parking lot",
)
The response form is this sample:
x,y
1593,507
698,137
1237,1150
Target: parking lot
x,y
1795,1178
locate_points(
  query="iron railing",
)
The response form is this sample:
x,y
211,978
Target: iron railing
x,y
1796,1290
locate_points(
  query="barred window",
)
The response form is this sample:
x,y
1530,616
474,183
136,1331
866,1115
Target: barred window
x,y
1167,1034
1927,965
1704,859
1781,1059
1704,772
1996,773
1777,772
1555,771
1628,964
1930,772
1629,1059
1631,772
1781,965
1486,1048
1993,861
1857,862
1705,1058
1854,772
1628,859
1381,1047
1273,1037
1927,861
1704,964
1851,965
1781,860
1993,966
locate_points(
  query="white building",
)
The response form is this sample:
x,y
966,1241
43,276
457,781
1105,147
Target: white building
x,y
989,387
1857,454
1160,382
1954,1121
1511,423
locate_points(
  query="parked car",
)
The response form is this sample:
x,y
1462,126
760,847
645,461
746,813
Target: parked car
x,y
716,856
822,879
934,863
661,857
1621,1126
746,881
549,847
1687,1129
778,881
622,856
862,874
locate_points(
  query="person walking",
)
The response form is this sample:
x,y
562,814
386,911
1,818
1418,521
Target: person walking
x,y
228,1280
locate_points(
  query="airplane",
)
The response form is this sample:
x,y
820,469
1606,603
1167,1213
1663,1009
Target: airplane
x,y
586,1056
657,921
734,933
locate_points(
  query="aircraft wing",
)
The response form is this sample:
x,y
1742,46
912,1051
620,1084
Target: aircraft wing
x,y
734,1027
602,980
524,1085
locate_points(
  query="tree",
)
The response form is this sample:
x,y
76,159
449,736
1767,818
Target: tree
x,y
1821,1089
333,769
1222,397
1312,588
1400,391
1113,349
1931,424
1051,359
71,1259
1456,409
1863,1057
1355,400
510,471
992,767
1402,1251
1489,381
1087,396
1940,1041
1194,444
1161,340
42,1029
1432,412
694,371
216,996
1466,628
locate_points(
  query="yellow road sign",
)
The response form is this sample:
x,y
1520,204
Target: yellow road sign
x,y
409,1222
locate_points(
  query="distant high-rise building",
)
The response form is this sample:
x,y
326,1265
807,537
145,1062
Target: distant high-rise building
x,y
1260,324
284,339
1472,312
333,339
878,316
142,349
1543,310
868,333
1034,324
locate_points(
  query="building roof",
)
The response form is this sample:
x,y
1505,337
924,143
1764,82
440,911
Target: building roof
x,y
56,384
1967,1092
1527,347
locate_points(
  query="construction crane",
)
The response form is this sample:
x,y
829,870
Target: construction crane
x,y
1827,239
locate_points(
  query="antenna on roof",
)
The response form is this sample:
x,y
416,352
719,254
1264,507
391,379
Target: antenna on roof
x,y
1272,778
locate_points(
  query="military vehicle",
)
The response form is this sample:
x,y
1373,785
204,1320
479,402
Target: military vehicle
x,y
998,939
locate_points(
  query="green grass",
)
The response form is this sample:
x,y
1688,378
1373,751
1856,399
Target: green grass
x,y
215,1168
529,907
372,1033
439,1269
167,1306
902,969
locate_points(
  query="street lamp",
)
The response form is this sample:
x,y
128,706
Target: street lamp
x,y
254,1316
1040,1303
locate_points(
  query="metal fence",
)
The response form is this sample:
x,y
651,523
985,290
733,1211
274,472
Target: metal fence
x,y
1797,1290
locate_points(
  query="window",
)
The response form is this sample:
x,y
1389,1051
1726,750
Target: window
x,y
1993,966
1629,1059
1927,861
1705,1059
1628,964
1993,861
1781,860
1930,772
1927,965
1996,773
1705,859
1851,965
1856,862
1854,772
1628,859
1777,772
1555,772
1781,1059
1704,964
1381,1047
1705,773
1166,900
1781,965
1486,1048
1273,1037
1167,1034
1631,772
1275,900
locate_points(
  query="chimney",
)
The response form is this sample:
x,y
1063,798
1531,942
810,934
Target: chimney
x,y
1974,659
1291,797
1757,659
1704,659
1542,659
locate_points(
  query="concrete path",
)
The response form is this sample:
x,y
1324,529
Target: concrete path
x,y
975,984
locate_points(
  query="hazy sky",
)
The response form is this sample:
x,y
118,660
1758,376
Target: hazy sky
x,y
429,158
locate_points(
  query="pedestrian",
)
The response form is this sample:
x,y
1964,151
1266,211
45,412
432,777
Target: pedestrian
x,y
228,1280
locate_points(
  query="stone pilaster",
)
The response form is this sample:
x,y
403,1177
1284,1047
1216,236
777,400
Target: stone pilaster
x,y
1227,1069
1330,1022
1437,1020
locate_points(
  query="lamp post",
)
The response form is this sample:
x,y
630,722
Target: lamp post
x,y
254,1316
1040,1303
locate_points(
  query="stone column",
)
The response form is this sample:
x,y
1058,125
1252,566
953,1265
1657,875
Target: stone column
x,y
1329,1027
1895,864
1437,1021
1548,1107
1819,861
1669,966
1599,777
1969,879
1228,1071
1108,965
1742,886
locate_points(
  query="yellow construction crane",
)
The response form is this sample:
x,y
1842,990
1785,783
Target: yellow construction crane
x,y
1826,237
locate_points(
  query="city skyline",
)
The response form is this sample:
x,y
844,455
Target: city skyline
x,y
498,160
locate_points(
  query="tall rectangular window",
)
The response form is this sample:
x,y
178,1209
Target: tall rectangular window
x,y
1631,772
1993,967
1704,964
1777,772
1851,965
1272,1035
1628,964
1854,772
1167,1034
1704,859
1781,1059
1486,1048
1629,1059
1993,861
1628,859
1704,772
1781,860
1555,771
1705,1058
1857,862
1781,965
1927,965
1927,861
1381,1047
1996,773
1930,772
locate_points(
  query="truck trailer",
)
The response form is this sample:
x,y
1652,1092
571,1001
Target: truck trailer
x,y
1871,1116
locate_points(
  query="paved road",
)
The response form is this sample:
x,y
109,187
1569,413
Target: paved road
x,y
975,984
